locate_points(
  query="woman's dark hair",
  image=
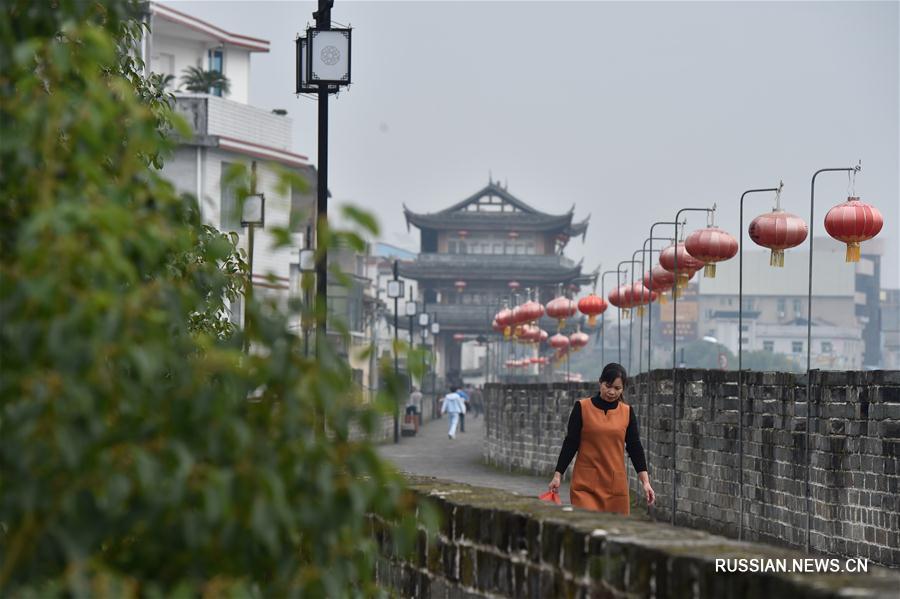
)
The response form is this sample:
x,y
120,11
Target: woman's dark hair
x,y
613,371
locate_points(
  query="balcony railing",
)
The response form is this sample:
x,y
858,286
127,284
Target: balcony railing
x,y
210,115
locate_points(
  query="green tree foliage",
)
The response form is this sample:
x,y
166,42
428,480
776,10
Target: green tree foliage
x,y
143,453
769,361
197,80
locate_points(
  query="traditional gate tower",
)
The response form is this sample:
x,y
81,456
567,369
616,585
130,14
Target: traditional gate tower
x,y
477,253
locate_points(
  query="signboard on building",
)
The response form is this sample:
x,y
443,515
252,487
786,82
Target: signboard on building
x,y
687,331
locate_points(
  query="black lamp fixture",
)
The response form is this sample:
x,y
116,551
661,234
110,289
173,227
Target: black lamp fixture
x,y
323,67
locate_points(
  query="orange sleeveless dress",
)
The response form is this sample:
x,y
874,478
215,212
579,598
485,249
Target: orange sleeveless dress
x,y
599,481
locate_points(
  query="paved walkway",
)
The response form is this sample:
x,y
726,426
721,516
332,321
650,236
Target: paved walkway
x,y
431,453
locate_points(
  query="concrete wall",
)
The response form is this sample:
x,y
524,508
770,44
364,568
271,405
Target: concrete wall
x,y
496,544
855,424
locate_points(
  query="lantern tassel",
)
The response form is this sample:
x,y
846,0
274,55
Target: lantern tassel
x,y
709,270
853,251
663,298
592,320
777,258
640,310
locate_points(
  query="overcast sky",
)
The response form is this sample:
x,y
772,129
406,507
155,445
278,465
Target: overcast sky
x,y
627,110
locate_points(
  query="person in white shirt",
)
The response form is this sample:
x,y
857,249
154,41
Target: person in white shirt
x,y
453,405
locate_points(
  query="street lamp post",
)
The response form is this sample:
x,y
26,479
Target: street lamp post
x,y
603,316
741,354
650,336
423,327
812,203
632,263
675,364
395,292
253,214
323,67
435,329
307,267
411,309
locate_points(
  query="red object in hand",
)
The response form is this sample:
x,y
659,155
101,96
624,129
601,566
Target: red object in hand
x,y
550,496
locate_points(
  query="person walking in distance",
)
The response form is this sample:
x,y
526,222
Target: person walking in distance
x,y
464,394
453,405
600,429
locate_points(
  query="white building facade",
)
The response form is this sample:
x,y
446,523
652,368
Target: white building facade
x,y
227,131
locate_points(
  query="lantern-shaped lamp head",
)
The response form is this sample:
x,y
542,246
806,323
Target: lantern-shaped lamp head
x,y
778,230
853,222
711,245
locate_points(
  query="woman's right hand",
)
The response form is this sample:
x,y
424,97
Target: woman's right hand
x,y
555,482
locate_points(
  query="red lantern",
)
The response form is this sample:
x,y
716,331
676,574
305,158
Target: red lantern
x,y
505,319
852,222
778,230
620,297
711,245
577,340
532,311
663,280
496,326
687,264
592,306
513,235
463,233
559,342
460,285
459,337
513,285
561,308
543,336
641,296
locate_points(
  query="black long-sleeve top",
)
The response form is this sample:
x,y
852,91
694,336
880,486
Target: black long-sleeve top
x,y
573,436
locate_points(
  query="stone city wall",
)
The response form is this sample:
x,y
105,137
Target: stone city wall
x,y
496,544
855,424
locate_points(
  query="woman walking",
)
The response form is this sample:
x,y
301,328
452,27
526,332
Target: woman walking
x,y
600,429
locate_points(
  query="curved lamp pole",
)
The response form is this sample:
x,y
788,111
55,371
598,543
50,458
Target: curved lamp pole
x,y
632,262
812,203
644,253
650,336
603,316
740,355
675,363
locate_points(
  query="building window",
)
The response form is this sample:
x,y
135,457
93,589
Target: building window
x,y
769,346
744,341
797,347
748,304
782,305
229,219
798,307
451,247
827,347
216,64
